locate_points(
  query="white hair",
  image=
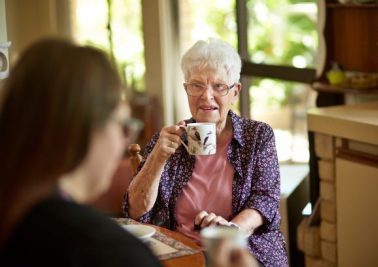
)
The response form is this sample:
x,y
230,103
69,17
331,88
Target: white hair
x,y
215,54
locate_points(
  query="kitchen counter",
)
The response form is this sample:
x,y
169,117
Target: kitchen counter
x,y
354,122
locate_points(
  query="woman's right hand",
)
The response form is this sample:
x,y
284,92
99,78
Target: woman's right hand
x,y
143,188
169,140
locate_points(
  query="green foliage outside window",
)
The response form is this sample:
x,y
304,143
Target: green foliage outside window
x,y
114,26
210,18
280,32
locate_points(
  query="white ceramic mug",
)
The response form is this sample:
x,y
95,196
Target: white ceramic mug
x,y
213,236
201,138
4,62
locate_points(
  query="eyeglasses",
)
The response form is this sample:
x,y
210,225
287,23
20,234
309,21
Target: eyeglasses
x,y
197,89
131,127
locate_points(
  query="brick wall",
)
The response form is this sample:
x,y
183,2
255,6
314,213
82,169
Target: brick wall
x,y
318,240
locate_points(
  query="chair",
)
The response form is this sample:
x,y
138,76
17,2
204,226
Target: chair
x,y
135,157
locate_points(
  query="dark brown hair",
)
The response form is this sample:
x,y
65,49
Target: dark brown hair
x,y
55,97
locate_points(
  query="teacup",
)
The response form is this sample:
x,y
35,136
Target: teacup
x,y
201,138
214,236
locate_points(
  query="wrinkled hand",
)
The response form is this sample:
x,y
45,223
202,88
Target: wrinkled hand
x,y
168,142
204,219
226,256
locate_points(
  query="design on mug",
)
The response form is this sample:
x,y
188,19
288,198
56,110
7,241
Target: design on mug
x,y
210,148
194,138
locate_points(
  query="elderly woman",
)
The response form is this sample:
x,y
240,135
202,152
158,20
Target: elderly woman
x,y
239,186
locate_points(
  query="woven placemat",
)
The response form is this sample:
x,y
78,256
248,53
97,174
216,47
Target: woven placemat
x,y
179,249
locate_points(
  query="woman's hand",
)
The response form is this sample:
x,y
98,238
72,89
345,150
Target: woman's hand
x,y
204,219
169,140
248,220
143,188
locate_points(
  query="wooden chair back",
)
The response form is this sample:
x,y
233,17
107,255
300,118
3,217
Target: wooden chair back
x,y
135,157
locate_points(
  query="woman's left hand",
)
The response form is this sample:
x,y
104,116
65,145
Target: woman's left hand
x,y
204,219
248,220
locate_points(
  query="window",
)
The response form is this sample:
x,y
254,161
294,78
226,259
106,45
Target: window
x,y
278,41
115,26
283,105
282,32
203,19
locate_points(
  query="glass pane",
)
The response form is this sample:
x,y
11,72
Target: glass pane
x,y
128,40
90,27
282,32
283,105
200,20
90,19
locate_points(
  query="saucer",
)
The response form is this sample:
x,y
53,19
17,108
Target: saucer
x,y
140,231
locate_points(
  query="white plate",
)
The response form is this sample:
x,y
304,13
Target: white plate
x,y
140,231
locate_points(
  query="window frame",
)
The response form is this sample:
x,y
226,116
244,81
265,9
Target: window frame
x,y
250,70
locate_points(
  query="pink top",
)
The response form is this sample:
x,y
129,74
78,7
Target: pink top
x,y
209,189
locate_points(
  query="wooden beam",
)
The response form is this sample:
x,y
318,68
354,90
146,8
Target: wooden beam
x,y
286,73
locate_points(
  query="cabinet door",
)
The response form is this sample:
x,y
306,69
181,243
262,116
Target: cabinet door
x,y
351,36
357,213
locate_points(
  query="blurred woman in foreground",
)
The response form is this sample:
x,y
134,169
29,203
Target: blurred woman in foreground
x,y
62,125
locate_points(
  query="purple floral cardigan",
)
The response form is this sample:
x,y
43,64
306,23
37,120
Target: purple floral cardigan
x,y
256,184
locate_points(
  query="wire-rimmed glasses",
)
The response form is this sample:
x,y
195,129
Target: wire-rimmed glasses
x,y
197,89
131,127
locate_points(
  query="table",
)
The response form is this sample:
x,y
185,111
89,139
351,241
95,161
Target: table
x,y
195,260
190,260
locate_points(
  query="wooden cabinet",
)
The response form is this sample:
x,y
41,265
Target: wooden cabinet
x,y
357,215
348,35
351,35
346,155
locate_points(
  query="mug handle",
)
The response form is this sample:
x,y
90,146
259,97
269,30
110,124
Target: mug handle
x,y
4,64
183,127
186,147
4,71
